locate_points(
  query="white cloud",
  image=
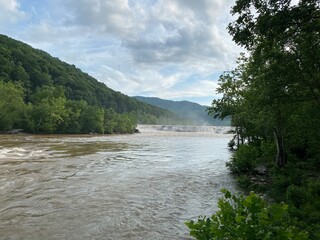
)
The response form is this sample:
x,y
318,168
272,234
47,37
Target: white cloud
x,y
109,17
167,31
127,44
10,12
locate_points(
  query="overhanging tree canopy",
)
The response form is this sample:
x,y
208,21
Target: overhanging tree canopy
x,y
279,83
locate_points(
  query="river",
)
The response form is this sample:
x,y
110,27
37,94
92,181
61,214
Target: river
x,y
139,186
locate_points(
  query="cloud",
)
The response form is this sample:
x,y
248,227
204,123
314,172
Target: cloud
x,y
10,12
165,48
157,32
148,82
143,82
109,17
181,32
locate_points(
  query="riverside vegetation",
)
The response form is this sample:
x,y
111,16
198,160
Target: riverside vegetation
x,y
41,94
273,99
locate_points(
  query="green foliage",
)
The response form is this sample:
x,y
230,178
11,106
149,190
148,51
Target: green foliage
x,y
248,217
125,123
272,97
47,111
12,105
244,181
72,122
109,120
268,151
283,178
34,69
296,195
244,159
273,93
92,120
304,203
50,112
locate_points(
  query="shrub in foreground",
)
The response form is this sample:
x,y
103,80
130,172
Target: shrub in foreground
x,y
249,217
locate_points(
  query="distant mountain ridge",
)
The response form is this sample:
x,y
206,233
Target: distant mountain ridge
x,y
191,111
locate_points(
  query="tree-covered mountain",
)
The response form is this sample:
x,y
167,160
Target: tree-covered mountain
x,y
194,113
55,97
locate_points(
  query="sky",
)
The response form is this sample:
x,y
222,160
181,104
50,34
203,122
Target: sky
x,y
171,49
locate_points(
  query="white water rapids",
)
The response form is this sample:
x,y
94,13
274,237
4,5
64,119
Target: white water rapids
x,y
140,186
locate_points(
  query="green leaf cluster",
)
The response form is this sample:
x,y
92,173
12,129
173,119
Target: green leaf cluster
x,y
49,111
244,160
249,217
12,106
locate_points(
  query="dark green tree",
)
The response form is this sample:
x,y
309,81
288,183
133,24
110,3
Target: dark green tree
x,y
72,122
92,120
47,110
280,79
12,105
272,97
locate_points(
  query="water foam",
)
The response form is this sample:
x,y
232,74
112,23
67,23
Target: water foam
x,y
183,128
22,153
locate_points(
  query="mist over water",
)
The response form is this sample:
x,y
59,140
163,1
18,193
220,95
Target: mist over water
x,y
141,186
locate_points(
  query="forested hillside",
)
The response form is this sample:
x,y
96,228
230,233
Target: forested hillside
x,y
42,94
193,112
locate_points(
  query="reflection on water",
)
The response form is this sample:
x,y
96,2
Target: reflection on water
x,y
141,186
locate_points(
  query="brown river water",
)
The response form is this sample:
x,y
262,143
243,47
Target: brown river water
x,y
140,186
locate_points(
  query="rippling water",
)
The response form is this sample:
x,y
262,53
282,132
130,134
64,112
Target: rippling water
x,y
141,186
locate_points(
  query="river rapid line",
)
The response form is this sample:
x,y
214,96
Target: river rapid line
x,y
139,186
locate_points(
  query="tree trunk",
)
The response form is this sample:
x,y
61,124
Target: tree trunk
x,y
238,138
241,135
281,157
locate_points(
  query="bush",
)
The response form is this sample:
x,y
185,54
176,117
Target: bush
x,y
282,178
297,196
248,217
244,159
305,206
268,151
244,181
